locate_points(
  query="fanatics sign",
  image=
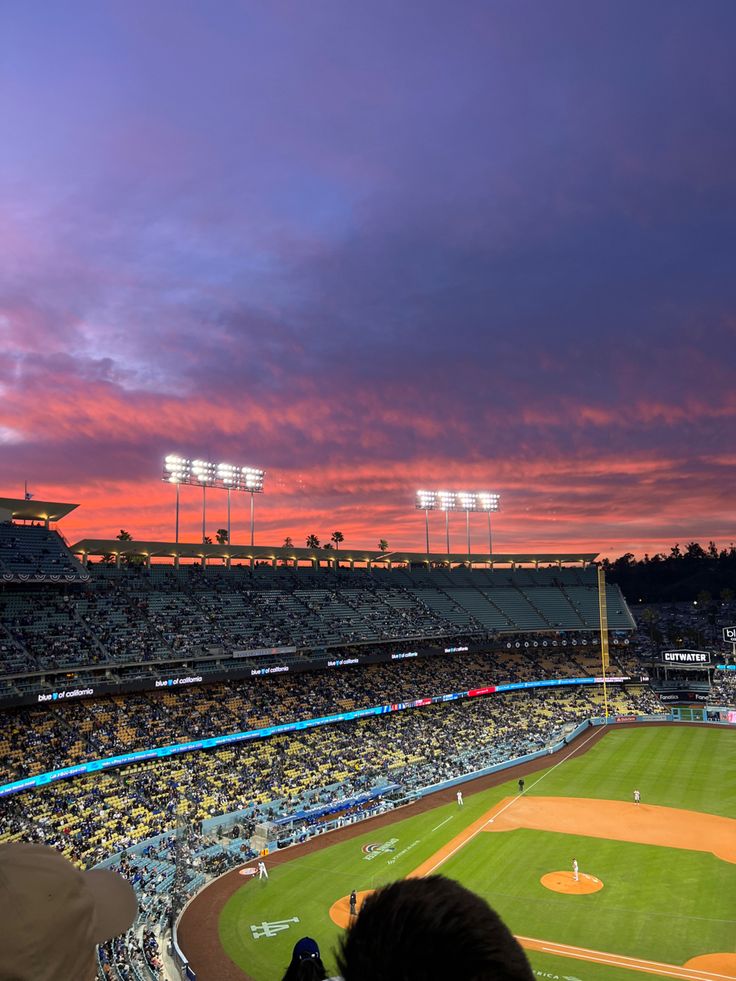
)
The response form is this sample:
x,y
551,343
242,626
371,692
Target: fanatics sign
x,y
686,657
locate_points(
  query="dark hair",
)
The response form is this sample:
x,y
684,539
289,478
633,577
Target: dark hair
x,y
426,929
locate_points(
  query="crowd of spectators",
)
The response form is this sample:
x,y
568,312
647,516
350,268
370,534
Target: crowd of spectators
x,y
34,740
94,816
133,615
33,552
723,689
697,625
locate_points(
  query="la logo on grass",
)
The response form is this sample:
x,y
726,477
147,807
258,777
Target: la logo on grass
x,y
270,929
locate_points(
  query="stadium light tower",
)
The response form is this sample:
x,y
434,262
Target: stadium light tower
x,y
488,503
426,501
222,476
467,501
447,504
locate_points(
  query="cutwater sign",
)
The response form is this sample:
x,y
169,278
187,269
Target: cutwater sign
x,y
686,657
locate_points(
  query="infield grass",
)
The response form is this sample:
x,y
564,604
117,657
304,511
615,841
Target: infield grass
x,y
657,903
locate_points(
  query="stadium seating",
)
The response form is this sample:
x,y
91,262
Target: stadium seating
x,y
34,553
132,615
93,816
107,726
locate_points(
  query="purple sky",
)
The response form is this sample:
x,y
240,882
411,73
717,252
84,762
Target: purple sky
x,y
371,248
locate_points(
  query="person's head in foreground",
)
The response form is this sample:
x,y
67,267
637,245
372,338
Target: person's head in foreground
x,y
306,963
430,928
54,915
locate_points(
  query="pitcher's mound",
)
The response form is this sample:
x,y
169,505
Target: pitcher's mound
x,y
715,963
565,882
340,910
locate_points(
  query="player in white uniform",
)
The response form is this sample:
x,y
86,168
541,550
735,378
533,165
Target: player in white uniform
x,y
637,796
575,874
459,798
262,870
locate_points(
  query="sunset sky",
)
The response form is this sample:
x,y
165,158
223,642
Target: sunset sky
x,y
373,247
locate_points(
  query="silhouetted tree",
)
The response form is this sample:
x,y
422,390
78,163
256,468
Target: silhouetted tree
x,y
677,576
222,536
312,541
383,545
337,537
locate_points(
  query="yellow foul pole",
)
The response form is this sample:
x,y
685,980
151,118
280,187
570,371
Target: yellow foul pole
x,y
604,632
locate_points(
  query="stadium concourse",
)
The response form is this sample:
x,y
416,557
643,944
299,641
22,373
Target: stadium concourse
x,y
108,659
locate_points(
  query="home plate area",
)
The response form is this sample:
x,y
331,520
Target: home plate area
x,y
567,883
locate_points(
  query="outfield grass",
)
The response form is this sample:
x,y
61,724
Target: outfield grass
x,y
658,903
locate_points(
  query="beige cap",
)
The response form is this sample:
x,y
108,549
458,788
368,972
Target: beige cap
x,y
52,915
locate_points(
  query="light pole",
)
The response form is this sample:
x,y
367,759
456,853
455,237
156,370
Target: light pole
x,y
204,472
253,482
221,476
458,501
467,503
488,503
426,501
447,503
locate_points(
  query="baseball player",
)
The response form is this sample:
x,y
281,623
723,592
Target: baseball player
x,y
637,796
459,798
353,903
575,874
262,870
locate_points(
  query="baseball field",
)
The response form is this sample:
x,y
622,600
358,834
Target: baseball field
x,y
656,892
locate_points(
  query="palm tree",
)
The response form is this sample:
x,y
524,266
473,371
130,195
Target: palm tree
x,y
125,536
312,541
288,543
337,537
222,536
383,545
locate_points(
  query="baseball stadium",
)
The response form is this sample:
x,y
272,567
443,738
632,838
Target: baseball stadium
x,y
251,734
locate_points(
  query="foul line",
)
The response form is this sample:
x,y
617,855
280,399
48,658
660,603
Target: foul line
x,y
494,814
621,960
443,823
565,950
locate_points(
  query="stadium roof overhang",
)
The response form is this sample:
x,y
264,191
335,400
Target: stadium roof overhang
x,y
260,553
23,510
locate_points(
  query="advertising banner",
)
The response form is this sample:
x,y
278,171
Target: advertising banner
x,y
683,695
682,658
